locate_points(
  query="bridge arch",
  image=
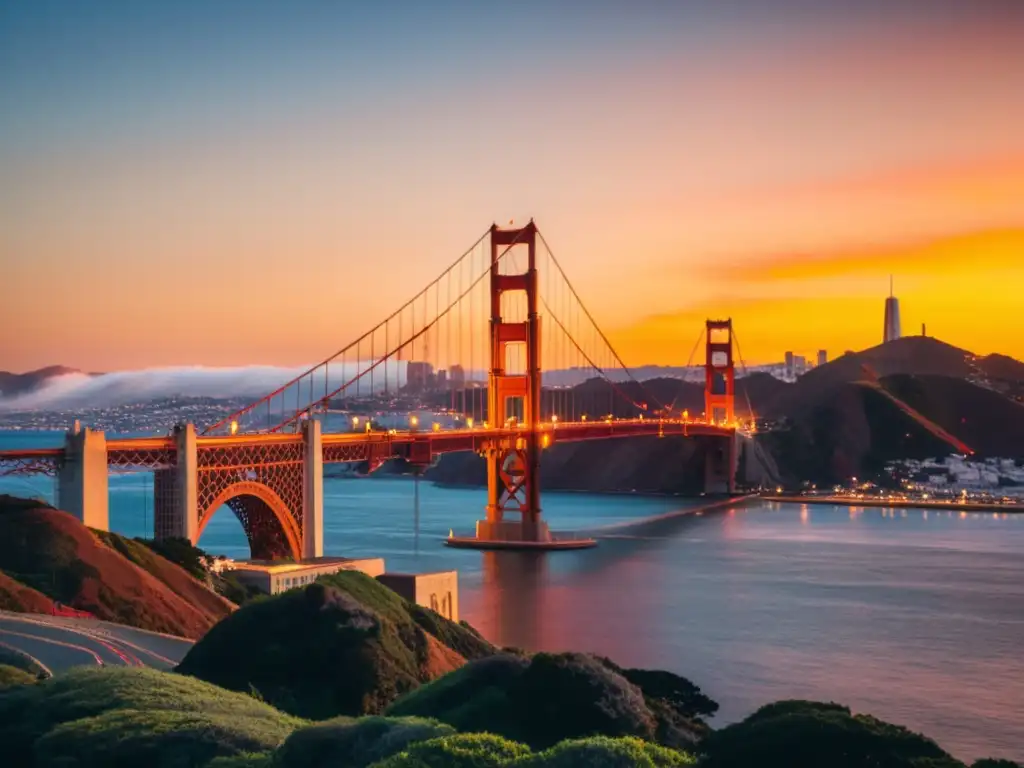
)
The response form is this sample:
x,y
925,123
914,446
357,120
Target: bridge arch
x,y
269,525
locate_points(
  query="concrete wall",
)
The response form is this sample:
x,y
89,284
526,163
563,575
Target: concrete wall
x,y
312,491
437,591
82,479
273,579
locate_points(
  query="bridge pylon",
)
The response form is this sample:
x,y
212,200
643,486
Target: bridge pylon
x,y
513,461
719,373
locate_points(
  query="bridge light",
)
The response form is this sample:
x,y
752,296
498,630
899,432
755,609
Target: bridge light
x,y
584,417
414,420
355,422
437,427
686,415
234,427
469,422
554,418
545,441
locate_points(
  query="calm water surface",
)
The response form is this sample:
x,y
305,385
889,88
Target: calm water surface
x,y
914,616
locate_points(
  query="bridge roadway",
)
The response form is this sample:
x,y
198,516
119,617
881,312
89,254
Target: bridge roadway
x,y
341,447
57,643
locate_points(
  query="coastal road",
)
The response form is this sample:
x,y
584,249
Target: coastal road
x,y
58,643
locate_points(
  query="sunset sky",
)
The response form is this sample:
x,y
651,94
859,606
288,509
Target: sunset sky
x,y
227,183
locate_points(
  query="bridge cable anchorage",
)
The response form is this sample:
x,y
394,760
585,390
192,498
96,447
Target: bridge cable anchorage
x,y
344,350
298,413
583,306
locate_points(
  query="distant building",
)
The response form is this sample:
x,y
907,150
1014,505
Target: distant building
x,y
799,365
789,365
822,357
457,377
273,578
441,379
892,317
419,377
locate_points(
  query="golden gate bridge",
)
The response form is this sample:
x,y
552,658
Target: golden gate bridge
x,y
489,326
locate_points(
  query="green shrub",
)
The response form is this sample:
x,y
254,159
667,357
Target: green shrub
x,y
12,676
247,760
30,713
539,701
355,743
805,734
475,697
155,737
470,750
345,645
12,657
603,752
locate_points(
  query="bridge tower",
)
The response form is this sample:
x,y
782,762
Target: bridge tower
x,y
513,462
719,372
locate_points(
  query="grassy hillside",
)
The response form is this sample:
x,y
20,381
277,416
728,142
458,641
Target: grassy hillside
x,y
15,596
345,645
547,698
109,717
52,553
183,582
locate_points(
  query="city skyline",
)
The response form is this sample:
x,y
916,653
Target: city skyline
x,y
774,165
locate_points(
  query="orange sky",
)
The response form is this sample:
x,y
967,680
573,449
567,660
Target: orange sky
x,y
265,193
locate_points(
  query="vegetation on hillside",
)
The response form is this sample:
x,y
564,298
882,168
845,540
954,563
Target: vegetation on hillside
x,y
93,717
544,699
807,734
154,554
345,645
13,657
123,716
12,676
15,596
48,555
355,743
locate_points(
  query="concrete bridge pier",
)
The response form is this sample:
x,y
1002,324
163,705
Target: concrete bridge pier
x,y
721,463
312,490
82,477
175,494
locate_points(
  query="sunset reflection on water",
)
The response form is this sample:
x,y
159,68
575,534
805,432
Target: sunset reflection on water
x,y
916,618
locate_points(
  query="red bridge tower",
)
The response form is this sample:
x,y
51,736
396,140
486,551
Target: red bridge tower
x,y
513,462
719,373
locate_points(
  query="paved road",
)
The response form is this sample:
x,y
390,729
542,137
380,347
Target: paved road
x,y
59,643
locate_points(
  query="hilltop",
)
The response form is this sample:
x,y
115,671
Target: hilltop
x,y
47,555
20,383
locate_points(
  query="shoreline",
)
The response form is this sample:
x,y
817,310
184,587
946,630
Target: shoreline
x,y
951,506
715,506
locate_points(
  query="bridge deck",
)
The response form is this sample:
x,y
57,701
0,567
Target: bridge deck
x,y
153,452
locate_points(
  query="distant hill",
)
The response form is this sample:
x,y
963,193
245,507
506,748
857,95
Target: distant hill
x,y
55,557
20,383
852,429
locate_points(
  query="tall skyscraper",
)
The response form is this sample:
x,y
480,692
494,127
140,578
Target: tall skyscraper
x,y
892,317
822,357
789,365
